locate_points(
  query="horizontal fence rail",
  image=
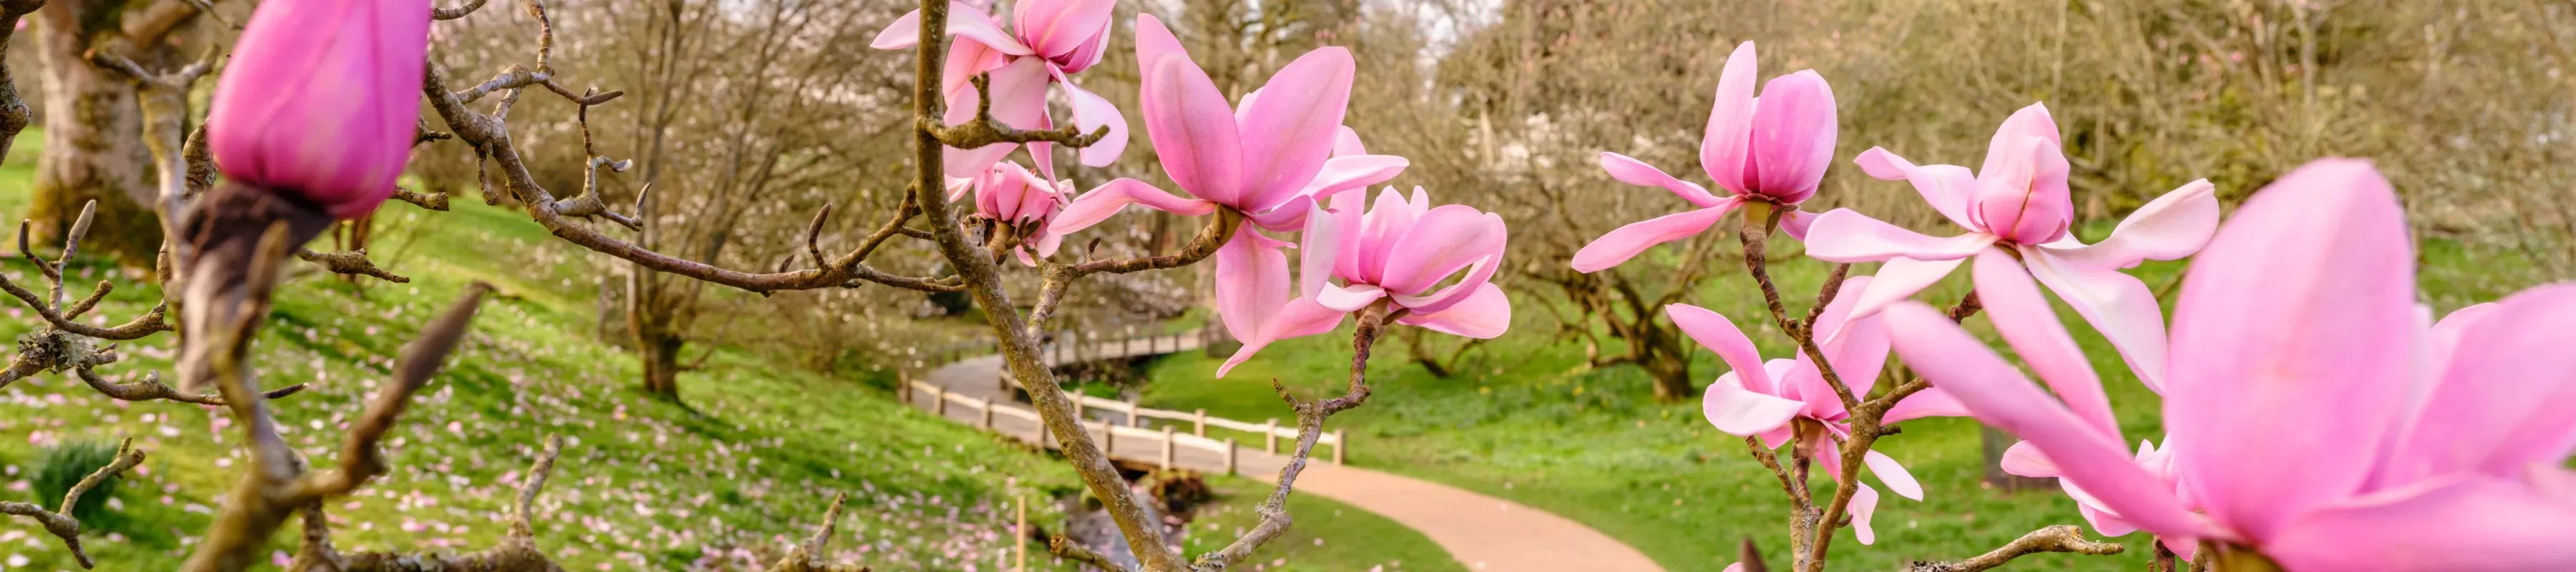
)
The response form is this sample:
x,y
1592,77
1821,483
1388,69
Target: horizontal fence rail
x,y
1069,347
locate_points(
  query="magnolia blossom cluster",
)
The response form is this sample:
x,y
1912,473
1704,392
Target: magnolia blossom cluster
x,y
1280,160
2318,418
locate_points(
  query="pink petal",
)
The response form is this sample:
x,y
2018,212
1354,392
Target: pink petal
x,y
2104,522
2030,122
964,21
1483,315
1719,335
1856,344
1795,223
1735,567
2022,315
1845,236
2473,524
1191,126
1092,112
1019,100
2508,397
1864,503
1319,244
1346,142
329,97
2022,195
2117,304
1742,412
966,59
1349,299
1055,27
2000,396
2171,227
904,33
1927,403
2291,347
1252,283
1100,203
1288,132
1353,172
1946,187
1285,217
1300,317
1442,242
2025,459
1893,475
1628,241
1899,279
1793,136
1727,146
1364,260
1632,171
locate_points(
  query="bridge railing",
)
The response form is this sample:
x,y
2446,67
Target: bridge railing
x,y
1270,431
1166,438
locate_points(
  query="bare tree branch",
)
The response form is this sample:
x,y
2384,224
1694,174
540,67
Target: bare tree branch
x,y
60,522
2060,538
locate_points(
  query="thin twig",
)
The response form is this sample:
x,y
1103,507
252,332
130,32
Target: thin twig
x,y
2060,538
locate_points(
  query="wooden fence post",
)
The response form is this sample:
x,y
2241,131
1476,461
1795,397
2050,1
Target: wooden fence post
x,y
1022,531
1341,443
1078,407
1167,447
986,422
1108,440
939,401
1131,414
1270,436
1229,455
1200,425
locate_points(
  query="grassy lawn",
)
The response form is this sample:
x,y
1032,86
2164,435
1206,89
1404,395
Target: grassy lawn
x,y
643,484
1529,421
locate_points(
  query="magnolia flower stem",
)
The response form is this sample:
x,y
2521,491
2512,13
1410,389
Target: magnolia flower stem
x,y
1757,237
1019,345
985,130
1060,277
1310,427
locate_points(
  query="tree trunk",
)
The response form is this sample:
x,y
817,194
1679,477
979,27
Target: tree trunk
x,y
1671,373
93,140
661,356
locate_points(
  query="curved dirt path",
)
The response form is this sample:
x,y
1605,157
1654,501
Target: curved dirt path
x,y
1483,533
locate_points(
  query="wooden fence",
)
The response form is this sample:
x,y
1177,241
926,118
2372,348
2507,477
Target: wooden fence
x,y
1071,348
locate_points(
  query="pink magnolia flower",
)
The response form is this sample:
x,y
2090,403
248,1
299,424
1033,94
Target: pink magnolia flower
x,y
1400,251
321,100
1272,158
1049,40
2019,203
1784,399
1009,194
2323,421
1772,149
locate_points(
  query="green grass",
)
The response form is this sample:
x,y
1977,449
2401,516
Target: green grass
x,y
1529,421
747,465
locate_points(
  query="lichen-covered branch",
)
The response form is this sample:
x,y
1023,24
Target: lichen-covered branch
x,y
2060,538
801,557
352,262
61,524
1310,428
